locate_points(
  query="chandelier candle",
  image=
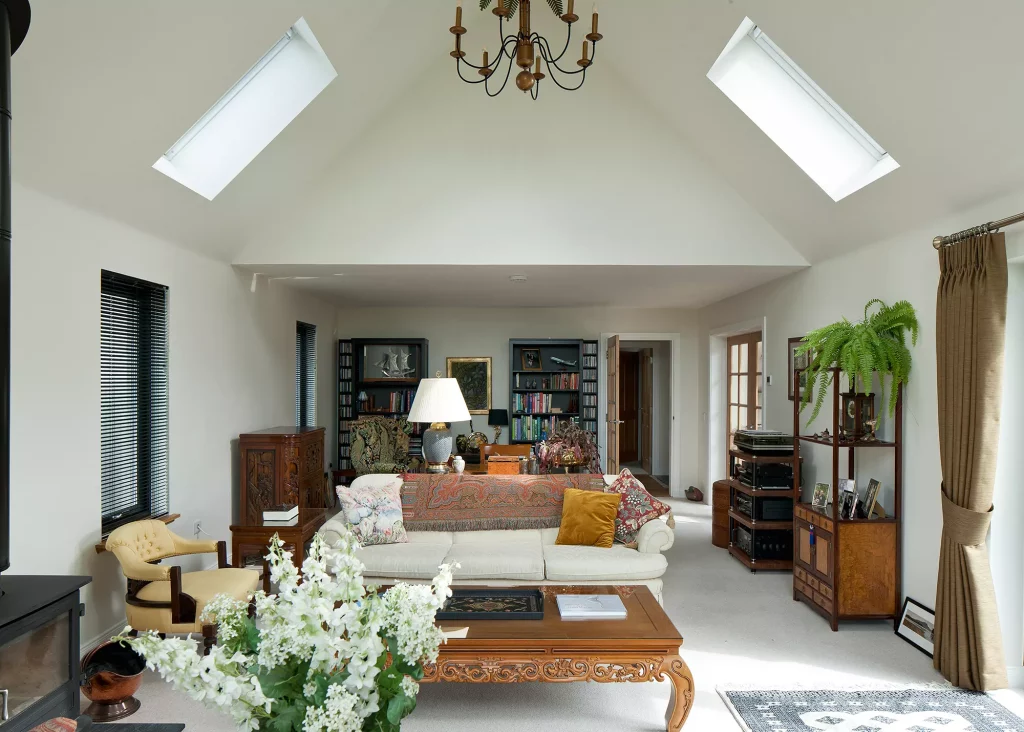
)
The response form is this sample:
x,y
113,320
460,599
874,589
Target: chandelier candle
x,y
527,49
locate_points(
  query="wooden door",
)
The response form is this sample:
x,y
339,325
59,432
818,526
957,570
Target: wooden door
x,y
745,395
647,409
629,411
612,413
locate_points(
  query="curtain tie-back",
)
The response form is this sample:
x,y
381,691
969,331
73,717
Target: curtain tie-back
x,y
964,526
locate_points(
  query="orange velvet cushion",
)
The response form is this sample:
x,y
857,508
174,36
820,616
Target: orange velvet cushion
x,y
588,518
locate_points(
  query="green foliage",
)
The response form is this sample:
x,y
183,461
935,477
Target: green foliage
x,y
513,5
875,344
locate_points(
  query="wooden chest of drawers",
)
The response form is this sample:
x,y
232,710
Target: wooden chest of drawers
x,y
849,574
281,465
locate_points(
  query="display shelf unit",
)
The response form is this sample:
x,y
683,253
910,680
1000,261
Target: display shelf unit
x,y
385,397
588,388
546,386
848,569
740,521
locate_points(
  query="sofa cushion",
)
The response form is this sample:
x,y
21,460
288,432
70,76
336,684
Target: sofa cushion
x,y
373,512
637,506
417,559
588,518
565,563
521,559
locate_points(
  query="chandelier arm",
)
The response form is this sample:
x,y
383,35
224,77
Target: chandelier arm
x,y
554,61
458,68
535,91
568,39
560,85
496,60
507,75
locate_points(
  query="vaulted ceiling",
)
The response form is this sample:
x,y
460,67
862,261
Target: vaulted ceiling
x,y
398,162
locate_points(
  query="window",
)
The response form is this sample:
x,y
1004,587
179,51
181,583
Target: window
x,y
305,375
251,114
745,393
133,399
797,115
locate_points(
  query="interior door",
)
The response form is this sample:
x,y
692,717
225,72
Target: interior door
x,y
647,408
612,413
745,395
629,407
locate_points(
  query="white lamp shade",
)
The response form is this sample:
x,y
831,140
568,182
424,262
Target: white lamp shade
x,y
439,400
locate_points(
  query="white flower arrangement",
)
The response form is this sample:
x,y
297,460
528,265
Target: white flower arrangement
x,y
322,655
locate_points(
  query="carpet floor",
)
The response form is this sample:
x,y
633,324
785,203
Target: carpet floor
x,y
740,628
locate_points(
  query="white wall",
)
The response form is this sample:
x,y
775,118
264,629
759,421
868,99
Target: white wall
x,y
486,332
449,176
232,370
903,267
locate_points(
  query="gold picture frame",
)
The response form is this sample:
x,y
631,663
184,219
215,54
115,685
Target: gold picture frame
x,y
473,374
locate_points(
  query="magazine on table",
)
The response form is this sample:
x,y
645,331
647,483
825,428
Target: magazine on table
x,y
590,607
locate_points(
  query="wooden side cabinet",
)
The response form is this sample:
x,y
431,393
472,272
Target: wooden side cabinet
x,y
281,465
720,498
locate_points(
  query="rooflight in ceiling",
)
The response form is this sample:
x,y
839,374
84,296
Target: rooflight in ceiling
x,y
797,115
252,113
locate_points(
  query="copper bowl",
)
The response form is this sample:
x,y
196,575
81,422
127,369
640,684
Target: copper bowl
x,y
112,674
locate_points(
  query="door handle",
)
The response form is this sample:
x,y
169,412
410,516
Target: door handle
x,y
615,421
5,713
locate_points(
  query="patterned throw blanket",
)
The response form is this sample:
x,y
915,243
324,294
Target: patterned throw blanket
x,y
482,502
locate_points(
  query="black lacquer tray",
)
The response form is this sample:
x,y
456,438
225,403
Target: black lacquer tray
x,y
494,604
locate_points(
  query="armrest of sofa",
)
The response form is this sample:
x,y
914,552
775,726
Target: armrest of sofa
x,y
655,536
332,531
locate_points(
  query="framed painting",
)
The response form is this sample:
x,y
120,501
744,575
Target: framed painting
x,y
473,375
797,362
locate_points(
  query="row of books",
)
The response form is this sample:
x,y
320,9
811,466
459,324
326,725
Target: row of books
x,y
590,412
589,425
590,400
345,374
590,374
344,346
345,398
540,403
534,429
590,348
553,381
590,362
590,387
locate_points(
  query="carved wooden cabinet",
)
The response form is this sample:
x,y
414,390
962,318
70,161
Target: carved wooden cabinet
x,y
281,465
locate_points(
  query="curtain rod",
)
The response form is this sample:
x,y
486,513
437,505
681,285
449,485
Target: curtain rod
x,y
991,227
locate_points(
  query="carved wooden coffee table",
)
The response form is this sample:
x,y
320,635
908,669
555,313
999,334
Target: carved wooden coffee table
x,y
643,647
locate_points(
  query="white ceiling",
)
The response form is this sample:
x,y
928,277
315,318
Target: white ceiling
x,y
546,286
101,89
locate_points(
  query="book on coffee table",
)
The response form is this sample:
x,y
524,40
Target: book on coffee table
x,y
590,607
283,512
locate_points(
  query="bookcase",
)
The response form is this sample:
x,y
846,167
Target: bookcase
x,y
366,387
551,382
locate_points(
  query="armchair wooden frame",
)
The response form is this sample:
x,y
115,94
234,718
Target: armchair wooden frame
x,y
182,605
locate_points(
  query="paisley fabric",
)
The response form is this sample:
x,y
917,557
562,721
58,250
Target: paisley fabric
x,y
488,502
636,508
374,513
380,445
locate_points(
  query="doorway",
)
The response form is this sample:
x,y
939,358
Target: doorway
x,y
645,429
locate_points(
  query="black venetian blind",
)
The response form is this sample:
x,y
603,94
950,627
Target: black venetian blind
x,y
133,396
305,375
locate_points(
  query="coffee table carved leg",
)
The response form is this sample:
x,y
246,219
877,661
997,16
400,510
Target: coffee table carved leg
x,y
679,705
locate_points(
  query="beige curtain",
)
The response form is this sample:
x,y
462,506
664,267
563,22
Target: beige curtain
x,y
970,325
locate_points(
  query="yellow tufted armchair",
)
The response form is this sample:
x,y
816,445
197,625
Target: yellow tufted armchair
x,y
162,598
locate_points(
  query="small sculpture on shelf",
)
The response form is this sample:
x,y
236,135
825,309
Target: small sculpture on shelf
x,y
871,425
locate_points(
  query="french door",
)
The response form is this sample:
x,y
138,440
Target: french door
x,y
745,392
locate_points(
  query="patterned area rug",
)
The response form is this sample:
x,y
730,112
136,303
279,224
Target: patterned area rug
x,y
890,710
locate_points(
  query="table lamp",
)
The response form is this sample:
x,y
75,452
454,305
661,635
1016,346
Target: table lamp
x,y
438,401
497,418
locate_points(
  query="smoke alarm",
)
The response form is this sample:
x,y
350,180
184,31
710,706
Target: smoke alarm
x,y
518,278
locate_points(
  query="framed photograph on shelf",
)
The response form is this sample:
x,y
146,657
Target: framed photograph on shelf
x,y
531,359
820,496
473,375
868,506
917,626
797,362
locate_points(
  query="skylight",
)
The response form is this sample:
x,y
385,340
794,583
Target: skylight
x,y
797,115
252,113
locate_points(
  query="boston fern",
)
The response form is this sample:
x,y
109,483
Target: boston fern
x,y
876,344
513,5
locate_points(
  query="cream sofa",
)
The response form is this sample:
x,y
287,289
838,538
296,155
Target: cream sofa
x,y
505,558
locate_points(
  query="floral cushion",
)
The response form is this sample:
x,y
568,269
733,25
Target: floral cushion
x,y
636,508
374,513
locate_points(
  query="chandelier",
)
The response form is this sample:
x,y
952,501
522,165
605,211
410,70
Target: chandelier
x,y
527,50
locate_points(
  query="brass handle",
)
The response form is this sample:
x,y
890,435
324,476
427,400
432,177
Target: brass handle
x,y
615,421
